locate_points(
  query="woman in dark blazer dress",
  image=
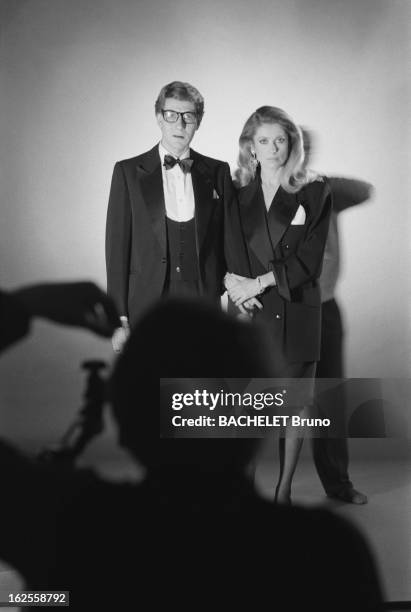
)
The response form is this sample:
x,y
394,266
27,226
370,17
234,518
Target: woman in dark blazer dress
x,y
285,214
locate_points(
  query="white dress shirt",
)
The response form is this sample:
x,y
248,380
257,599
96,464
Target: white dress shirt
x,y
178,189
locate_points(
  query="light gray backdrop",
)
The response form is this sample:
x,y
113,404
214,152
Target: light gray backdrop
x,y
78,83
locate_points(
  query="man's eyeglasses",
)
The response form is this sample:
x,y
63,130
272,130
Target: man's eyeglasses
x,y
171,116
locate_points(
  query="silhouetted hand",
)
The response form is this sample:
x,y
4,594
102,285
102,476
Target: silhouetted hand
x,y
80,304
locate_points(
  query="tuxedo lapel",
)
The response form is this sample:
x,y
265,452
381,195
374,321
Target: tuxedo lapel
x,y
151,180
280,214
203,195
254,220
262,230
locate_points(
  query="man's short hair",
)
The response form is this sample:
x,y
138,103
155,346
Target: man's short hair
x,y
181,91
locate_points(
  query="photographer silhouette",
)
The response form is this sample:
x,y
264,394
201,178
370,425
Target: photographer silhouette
x,y
70,530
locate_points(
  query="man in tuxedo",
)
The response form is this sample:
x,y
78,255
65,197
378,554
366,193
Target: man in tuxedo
x,y
173,226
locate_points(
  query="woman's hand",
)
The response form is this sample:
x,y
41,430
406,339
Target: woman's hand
x,y
251,304
240,289
232,279
246,310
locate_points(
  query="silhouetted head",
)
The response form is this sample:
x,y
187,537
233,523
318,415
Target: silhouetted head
x,y
182,339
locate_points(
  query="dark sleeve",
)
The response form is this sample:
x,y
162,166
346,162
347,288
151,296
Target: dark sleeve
x,y
118,240
235,249
348,192
43,505
25,512
304,264
14,321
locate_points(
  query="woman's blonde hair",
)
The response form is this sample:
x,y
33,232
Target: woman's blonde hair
x,y
293,175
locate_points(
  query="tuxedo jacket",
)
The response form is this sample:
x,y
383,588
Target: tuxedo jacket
x,y
136,241
289,240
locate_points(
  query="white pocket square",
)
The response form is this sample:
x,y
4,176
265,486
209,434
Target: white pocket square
x,y
215,195
299,217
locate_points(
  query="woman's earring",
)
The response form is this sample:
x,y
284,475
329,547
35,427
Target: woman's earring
x,y
254,160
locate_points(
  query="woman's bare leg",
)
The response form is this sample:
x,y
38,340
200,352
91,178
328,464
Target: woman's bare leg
x,y
289,449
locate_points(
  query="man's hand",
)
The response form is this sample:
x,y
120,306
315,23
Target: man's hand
x,y
121,335
80,304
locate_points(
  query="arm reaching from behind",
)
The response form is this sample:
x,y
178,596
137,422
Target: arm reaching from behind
x,y
80,304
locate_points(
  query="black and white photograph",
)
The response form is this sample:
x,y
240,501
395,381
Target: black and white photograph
x,y
205,213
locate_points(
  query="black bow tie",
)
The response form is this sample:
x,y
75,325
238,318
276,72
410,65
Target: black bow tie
x,y
170,162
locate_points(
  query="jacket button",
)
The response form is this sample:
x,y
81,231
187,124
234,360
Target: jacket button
x,y
178,269
277,316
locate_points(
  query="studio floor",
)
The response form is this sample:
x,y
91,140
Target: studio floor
x,y
385,520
